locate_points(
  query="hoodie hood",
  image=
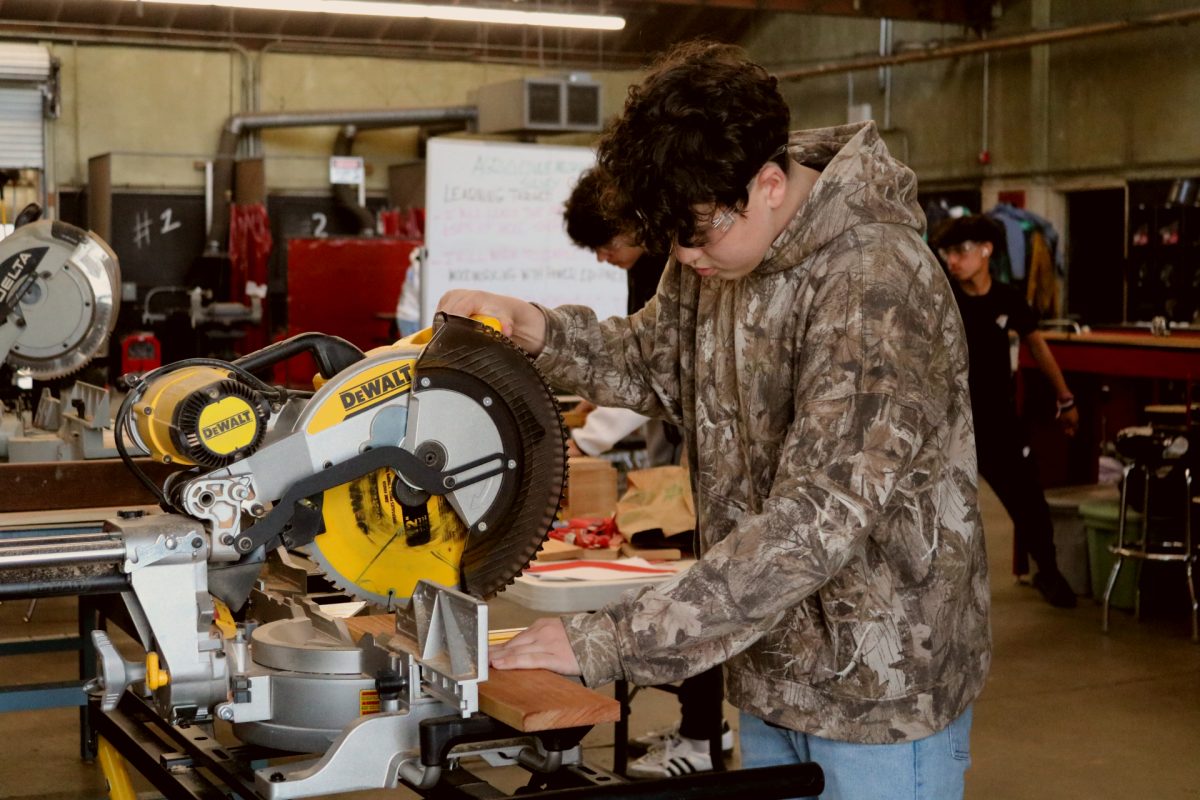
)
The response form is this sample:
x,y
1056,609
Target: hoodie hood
x,y
860,182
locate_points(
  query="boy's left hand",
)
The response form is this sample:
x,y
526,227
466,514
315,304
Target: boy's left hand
x,y
543,645
1069,421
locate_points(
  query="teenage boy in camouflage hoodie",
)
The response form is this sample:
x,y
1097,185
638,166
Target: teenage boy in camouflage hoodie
x,y
808,344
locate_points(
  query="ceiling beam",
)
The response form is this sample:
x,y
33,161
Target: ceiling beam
x,y
966,12
1017,41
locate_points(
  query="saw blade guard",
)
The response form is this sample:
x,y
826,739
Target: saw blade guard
x,y
493,558
59,298
469,403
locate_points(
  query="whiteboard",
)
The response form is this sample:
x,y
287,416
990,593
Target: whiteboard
x,y
493,221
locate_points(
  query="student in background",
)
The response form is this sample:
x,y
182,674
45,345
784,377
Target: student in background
x,y
991,311
683,747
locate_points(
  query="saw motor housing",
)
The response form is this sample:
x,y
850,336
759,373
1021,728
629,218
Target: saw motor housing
x,y
200,416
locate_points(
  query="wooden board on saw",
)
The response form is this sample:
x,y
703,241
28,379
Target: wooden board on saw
x,y
528,700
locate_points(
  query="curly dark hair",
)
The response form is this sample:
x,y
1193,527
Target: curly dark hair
x,y
694,132
587,223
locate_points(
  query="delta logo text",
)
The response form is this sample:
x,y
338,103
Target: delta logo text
x,y
19,267
375,390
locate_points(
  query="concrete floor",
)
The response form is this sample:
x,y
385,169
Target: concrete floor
x,y
1068,712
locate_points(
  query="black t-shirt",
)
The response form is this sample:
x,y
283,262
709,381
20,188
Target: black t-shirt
x,y
988,319
643,277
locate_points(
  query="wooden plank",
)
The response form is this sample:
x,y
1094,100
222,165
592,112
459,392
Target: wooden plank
x,y
93,483
528,700
539,700
554,550
600,554
68,516
375,624
630,550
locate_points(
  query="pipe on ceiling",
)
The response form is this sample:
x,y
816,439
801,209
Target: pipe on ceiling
x,y
346,196
1019,41
240,124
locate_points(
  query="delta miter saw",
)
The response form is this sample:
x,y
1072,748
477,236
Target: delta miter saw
x,y
57,298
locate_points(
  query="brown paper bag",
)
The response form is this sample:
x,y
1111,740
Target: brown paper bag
x,y
657,498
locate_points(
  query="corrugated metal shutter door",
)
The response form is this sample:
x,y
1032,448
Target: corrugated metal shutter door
x,y
23,70
21,131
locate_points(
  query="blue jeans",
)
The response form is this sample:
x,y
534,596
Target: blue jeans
x,y
927,769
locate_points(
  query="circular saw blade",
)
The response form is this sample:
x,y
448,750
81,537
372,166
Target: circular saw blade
x,y
376,547
68,306
493,558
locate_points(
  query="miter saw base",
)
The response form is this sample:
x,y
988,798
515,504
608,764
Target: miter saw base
x,y
74,426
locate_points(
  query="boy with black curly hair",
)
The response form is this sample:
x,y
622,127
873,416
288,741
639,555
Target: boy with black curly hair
x,y
808,343
991,311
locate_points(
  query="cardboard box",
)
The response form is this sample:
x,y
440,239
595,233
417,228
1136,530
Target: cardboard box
x,y
591,488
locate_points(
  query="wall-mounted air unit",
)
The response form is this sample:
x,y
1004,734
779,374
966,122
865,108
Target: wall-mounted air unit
x,y
540,105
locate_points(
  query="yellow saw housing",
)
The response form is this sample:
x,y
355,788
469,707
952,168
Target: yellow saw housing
x,y
200,416
381,536
373,544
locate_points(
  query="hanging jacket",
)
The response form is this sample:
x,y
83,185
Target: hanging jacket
x,y
1041,292
1017,221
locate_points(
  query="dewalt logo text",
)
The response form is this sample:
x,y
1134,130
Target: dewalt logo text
x,y
376,390
225,425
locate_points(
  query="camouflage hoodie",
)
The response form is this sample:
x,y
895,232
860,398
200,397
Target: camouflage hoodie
x,y
844,581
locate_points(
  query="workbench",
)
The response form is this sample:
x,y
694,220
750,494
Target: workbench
x,y
1114,375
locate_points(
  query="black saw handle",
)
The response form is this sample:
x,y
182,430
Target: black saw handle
x,y
332,353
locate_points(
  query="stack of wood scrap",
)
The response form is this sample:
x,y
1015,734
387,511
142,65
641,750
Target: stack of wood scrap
x,y
591,488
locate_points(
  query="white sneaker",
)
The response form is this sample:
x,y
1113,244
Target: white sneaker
x,y
678,756
658,738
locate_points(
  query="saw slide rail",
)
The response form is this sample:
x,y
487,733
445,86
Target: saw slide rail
x,y
56,563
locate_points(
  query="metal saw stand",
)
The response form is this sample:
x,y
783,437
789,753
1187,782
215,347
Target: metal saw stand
x,y
429,721
188,763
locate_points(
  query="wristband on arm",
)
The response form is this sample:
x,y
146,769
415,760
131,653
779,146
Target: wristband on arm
x,y
1065,404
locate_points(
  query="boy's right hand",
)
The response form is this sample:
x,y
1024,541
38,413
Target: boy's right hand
x,y
519,320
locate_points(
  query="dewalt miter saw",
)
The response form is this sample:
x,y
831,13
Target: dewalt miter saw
x,y
438,458
421,477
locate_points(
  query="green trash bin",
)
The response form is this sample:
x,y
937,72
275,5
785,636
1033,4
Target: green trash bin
x,y
1100,521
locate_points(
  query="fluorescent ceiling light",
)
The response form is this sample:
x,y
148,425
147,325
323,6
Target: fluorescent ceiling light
x,y
494,16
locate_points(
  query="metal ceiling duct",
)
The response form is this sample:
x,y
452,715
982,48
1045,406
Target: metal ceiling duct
x,y
239,125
